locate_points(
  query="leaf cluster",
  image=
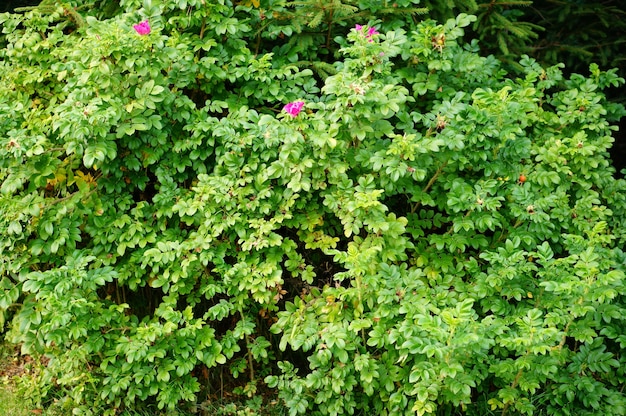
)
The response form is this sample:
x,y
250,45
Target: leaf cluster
x,y
428,233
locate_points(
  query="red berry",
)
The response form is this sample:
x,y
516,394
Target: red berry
x,y
522,178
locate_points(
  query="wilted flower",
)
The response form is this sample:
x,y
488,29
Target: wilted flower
x,y
294,108
358,89
142,28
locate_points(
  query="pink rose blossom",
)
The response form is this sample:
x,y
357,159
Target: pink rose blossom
x,y
142,28
294,108
371,31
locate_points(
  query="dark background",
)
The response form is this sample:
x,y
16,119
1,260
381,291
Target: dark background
x,y
10,5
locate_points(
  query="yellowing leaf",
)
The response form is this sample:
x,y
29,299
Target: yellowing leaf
x,y
248,3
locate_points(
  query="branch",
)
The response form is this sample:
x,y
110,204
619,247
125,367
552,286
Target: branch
x,y
429,185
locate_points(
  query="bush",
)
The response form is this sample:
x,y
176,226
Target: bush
x,y
416,232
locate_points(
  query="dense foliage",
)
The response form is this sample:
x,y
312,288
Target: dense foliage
x,y
418,231
570,31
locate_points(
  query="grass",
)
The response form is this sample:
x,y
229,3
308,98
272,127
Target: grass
x,y
11,404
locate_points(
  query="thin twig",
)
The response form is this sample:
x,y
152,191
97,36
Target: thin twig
x,y
430,183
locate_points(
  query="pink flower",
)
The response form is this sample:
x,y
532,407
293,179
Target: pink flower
x,y
142,28
294,108
371,31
